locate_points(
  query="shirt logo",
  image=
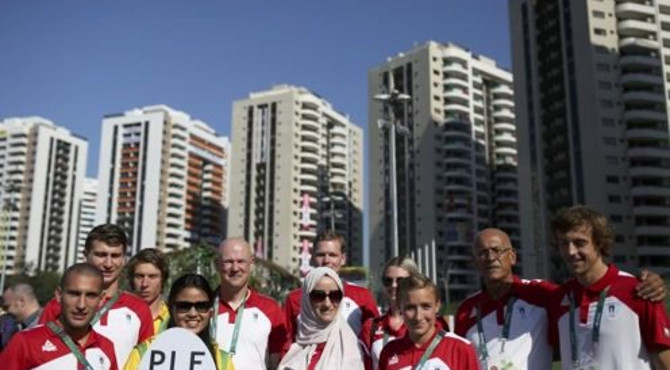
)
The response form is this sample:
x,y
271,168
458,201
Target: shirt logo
x,y
666,331
394,360
565,301
522,312
128,318
611,309
255,316
473,313
48,347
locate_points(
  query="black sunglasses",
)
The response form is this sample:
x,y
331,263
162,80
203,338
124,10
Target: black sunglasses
x,y
388,281
321,295
184,307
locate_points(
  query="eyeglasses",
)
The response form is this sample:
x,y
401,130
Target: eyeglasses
x,y
494,252
184,307
388,281
321,295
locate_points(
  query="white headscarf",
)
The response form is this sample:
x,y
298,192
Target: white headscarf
x,y
341,350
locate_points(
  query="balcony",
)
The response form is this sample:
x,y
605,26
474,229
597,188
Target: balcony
x,y
650,251
644,115
308,146
310,136
309,167
310,125
648,171
646,133
504,114
310,189
636,28
457,160
507,103
639,60
457,95
339,131
635,10
661,230
643,97
503,91
641,79
650,152
504,138
651,211
505,150
308,178
655,191
456,69
638,44
309,157
451,81
338,171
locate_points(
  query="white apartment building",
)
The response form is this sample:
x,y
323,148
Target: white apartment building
x,y
87,217
455,156
592,107
162,177
42,168
298,166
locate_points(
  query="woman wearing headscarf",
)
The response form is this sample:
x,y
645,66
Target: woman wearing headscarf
x,y
324,340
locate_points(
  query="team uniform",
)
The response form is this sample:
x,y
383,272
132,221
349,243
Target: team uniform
x,y
626,328
42,349
511,331
261,330
161,320
451,353
127,323
357,306
377,333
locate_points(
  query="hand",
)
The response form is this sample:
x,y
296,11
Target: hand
x,y
651,286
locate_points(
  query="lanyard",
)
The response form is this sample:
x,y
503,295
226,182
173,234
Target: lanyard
x,y
507,322
105,308
429,351
236,330
595,333
70,344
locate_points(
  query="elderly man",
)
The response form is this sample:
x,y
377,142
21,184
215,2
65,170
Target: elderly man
x,y
508,320
247,325
69,342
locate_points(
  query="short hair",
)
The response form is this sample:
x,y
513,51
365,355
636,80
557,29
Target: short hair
x,y
416,282
109,234
572,218
23,289
82,268
404,263
328,235
152,256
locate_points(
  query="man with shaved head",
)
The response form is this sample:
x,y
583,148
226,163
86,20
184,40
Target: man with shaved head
x,y
247,325
507,321
22,303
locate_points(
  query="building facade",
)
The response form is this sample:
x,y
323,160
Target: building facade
x,y
455,155
163,178
592,105
42,168
298,167
87,216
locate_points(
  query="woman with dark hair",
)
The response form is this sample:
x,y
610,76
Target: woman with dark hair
x,y
190,301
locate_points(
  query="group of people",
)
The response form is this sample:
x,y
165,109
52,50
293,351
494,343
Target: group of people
x,y
602,318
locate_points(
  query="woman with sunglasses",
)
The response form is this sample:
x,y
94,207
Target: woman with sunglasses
x,y
324,339
377,332
190,302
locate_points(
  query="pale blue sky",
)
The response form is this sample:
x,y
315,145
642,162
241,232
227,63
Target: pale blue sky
x,y
73,61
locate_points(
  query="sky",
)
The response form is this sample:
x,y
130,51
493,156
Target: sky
x,y
74,61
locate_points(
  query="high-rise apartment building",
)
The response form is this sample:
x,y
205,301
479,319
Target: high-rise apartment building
x,y
163,178
591,82
87,218
298,167
455,155
42,168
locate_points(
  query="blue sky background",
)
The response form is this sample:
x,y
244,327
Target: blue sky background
x,y
73,61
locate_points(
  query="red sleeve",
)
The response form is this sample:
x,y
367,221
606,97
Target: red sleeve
x,y
147,323
291,311
460,321
655,326
50,312
277,341
366,342
383,358
15,356
467,358
369,307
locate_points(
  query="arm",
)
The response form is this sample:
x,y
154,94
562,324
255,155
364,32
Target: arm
x,y
14,356
661,360
651,286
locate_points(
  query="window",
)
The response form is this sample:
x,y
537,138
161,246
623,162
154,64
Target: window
x,y
605,85
600,31
609,141
611,179
608,122
606,103
602,67
614,199
611,159
598,14
616,218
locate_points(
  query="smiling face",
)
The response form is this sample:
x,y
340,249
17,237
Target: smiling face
x,y
109,259
419,309
392,275
579,250
235,263
326,309
191,310
147,282
494,255
79,298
